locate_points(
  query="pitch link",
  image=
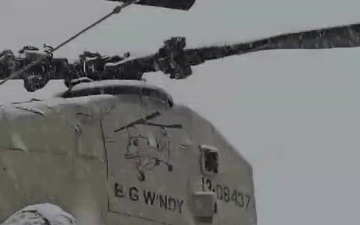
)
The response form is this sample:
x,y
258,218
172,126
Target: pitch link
x,y
116,10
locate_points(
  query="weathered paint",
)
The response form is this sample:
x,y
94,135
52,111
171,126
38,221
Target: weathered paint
x,y
127,158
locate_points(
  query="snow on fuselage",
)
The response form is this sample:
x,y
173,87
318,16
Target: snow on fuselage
x,y
135,153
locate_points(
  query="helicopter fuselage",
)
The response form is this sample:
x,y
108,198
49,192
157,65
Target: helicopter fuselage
x,y
124,155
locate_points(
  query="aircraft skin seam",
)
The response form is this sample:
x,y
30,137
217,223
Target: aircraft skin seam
x,y
106,161
105,149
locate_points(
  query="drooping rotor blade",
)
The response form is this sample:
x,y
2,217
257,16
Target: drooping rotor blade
x,y
347,36
175,60
171,4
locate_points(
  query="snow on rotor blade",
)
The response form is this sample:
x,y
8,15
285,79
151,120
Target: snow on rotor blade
x,y
346,36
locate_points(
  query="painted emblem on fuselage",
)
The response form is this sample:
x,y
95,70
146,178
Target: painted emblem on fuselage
x,y
149,144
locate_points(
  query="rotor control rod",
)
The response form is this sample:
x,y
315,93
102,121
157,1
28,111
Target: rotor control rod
x,y
174,59
116,10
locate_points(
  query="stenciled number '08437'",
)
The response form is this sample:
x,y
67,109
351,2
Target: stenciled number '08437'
x,y
226,194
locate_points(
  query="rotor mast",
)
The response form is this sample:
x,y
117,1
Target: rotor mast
x,y
174,59
172,4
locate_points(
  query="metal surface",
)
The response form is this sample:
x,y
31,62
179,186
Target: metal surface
x,y
123,152
173,58
133,159
171,4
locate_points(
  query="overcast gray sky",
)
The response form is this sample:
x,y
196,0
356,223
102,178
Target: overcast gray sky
x,y
293,114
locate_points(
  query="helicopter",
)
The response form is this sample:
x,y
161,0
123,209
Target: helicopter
x,y
118,150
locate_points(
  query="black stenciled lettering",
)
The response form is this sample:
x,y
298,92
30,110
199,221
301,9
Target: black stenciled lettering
x,y
203,183
248,199
226,194
119,190
240,199
134,194
180,204
149,197
163,201
172,204
234,197
219,192
208,183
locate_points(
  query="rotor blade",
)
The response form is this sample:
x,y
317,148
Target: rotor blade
x,y
171,4
331,37
175,60
347,36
